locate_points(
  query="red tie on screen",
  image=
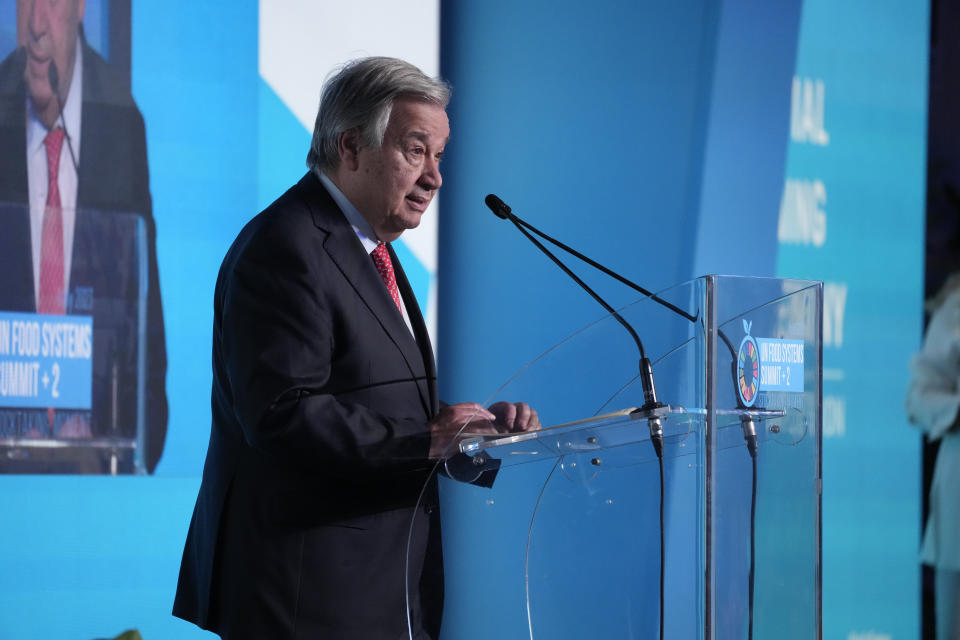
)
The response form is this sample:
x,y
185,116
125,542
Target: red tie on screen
x,y
381,258
51,299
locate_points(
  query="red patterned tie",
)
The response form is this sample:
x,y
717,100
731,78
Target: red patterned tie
x,y
381,258
51,299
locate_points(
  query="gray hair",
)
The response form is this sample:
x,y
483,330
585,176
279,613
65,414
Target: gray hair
x,y
361,95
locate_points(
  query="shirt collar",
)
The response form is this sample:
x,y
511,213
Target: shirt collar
x,y
360,225
70,119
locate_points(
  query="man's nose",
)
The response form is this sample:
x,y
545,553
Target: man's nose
x,y
431,178
38,17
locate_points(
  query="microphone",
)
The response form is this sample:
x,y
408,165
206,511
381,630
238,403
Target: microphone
x,y
54,77
499,207
652,407
749,426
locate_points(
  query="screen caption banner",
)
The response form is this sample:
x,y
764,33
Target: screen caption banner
x,y
781,364
46,361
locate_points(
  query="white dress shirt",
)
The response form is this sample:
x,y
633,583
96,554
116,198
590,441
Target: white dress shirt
x,y
363,230
67,180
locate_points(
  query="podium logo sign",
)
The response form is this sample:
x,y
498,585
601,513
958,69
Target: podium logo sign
x,y
768,364
748,367
46,361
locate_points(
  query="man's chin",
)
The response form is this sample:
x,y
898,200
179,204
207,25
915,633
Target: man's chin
x,y
397,223
38,88
411,219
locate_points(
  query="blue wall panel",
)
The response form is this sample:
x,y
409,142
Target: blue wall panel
x,y
587,123
643,136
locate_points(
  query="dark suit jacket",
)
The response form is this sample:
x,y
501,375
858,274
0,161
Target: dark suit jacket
x,y
317,455
112,179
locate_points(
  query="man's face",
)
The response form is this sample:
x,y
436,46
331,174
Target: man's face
x,y
395,183
48,30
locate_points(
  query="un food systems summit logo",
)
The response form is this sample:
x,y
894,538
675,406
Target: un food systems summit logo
x,y
748,367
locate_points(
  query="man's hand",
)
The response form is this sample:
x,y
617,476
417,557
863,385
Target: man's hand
x,y
502,417
514,417
76,427
449,422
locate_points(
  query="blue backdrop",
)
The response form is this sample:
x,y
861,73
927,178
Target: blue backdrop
x,y
665,139
709,137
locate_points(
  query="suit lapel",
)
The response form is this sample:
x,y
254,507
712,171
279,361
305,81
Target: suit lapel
x,y
429,385
16,261
95,116
13,147
343,247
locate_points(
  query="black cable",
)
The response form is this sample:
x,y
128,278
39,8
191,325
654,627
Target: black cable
x,y
662,547
753,551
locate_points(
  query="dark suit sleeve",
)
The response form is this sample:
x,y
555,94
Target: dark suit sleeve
x,y
310,385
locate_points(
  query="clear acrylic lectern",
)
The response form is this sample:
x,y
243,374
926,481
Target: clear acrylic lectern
x,y
73,383
564,539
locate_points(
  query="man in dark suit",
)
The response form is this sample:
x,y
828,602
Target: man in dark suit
x,y
104,198
325,410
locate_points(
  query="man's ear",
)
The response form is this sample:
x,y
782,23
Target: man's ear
x,y
348,147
